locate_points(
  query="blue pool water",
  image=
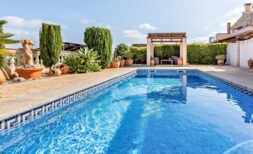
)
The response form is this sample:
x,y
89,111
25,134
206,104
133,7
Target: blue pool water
x,y
151,113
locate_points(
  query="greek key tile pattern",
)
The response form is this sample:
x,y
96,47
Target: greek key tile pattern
x,y
23,117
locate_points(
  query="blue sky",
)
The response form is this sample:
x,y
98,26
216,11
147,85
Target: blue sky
x,y
128,20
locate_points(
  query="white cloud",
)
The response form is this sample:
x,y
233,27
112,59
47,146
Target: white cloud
x,y
235,12
105,25
233,15
87,21
134,35
23,28
147,26
203,39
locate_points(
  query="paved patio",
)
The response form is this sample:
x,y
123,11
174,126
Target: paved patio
x,y
16,98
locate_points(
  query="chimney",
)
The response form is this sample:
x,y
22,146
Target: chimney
x,y
248,7
229,28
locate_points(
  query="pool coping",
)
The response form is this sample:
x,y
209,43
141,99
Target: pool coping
x,y
24,116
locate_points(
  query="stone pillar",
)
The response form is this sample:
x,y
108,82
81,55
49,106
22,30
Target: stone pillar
x,y
148,51
183,51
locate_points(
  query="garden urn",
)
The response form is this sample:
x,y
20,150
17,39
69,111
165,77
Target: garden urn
x,y
122,62
129,62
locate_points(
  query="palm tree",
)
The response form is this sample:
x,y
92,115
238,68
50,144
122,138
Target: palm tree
x,y
4,40
4,36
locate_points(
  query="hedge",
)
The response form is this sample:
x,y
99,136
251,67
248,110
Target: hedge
x,y
100,40
196,53
139,54
205,53
167,51
50,44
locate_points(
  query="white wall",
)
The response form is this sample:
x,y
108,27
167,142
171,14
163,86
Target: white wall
x,y
232,54
246,52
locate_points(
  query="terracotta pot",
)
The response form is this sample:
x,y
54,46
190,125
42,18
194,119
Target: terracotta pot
x,y
129,62
180,61
152,62
34,73
64,69
122,62
54,72
220,62
115,64
2,76
250,63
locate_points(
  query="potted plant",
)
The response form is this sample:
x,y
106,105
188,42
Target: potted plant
x,y
129,57
250,63
220,59
120,50
115,62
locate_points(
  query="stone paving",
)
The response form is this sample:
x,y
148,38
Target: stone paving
x,y
19,97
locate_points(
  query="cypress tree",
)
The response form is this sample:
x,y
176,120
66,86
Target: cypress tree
x,y
50,44
100,40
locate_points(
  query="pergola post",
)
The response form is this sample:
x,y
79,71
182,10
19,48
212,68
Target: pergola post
x,y
149,43
183,51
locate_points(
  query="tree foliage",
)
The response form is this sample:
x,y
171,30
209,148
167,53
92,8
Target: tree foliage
x,y
4,39
100,40
120,50
4,36
50,44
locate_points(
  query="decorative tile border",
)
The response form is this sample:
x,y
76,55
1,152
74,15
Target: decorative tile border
x,y
23,117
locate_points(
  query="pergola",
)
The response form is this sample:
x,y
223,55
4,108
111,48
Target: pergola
x,y
154,38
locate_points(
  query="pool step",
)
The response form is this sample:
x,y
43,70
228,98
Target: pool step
x,y
181,72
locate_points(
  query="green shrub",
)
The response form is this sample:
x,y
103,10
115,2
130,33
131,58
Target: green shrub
x,y
50,44
120,50
74,63
82,62
100,40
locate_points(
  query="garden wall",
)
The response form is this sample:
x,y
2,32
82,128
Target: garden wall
x,y
244,49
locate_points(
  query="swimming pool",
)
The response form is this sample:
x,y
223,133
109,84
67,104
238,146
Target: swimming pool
x,y
158,111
